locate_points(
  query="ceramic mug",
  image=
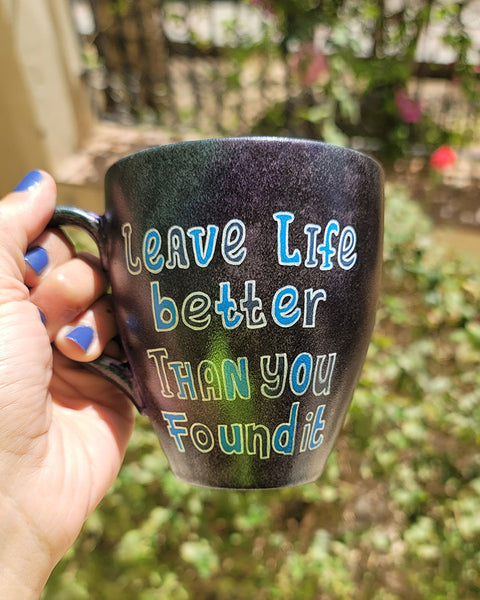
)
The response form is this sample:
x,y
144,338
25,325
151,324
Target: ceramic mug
x,y
245,275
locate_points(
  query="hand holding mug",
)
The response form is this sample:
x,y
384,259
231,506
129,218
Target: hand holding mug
x,y
245,274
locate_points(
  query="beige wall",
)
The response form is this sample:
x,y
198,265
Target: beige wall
x,y
44,110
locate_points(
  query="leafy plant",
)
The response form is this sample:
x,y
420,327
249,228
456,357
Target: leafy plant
x,y
344,71
357,83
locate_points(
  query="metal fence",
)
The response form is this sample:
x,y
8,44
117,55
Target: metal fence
x,y
207,66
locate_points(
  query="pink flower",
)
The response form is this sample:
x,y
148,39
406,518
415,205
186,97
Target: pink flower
x,y
410,110
309,64
443,157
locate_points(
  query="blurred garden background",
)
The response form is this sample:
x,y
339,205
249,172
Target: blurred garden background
x,y
396,515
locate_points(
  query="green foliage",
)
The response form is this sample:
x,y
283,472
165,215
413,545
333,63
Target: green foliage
x,y
370,51
396,513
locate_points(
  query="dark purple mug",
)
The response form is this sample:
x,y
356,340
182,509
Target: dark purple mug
x,y
245,274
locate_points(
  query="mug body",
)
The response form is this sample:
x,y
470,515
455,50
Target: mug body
x,y
245,275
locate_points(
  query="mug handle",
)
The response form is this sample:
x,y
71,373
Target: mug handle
x,y
116,372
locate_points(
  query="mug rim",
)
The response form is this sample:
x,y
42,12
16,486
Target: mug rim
x,y
281,140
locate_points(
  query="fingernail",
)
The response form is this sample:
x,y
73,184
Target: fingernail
x,y
42,317
29,182
37,258
82,336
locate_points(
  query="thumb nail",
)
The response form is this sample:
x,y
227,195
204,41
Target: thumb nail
x,y
29,182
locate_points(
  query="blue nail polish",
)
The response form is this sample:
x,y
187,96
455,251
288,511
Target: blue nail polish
x,y
29,182
82,336
37,258
42,317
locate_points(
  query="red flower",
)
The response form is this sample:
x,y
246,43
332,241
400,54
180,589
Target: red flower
x,y
443,157
410,110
